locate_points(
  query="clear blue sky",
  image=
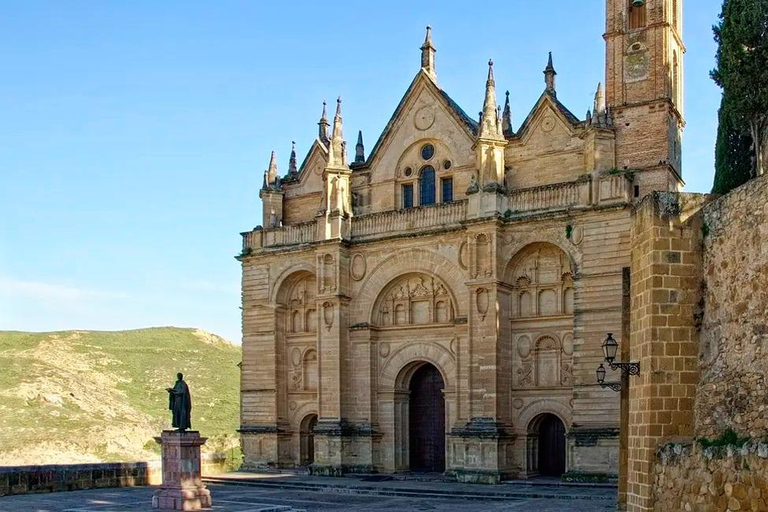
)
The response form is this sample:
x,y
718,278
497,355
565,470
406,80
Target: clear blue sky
x,y
134,135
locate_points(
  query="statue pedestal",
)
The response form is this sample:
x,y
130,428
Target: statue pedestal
x,y
182,488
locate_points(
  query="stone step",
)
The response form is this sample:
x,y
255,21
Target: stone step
x,y
497,493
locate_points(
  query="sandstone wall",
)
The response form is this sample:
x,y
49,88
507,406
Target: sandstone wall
x,y
691,478
732,391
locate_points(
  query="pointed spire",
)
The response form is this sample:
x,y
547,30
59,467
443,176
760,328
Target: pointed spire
x,y
322,133
428,55
549,75
598,110
506,124
272,171
337,152
359,149
293,171
499,122
489,124
264,184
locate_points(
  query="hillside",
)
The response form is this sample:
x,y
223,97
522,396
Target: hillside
x,y
89,396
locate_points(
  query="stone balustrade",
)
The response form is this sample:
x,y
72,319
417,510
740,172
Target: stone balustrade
x,y
584,192
551,197
413,219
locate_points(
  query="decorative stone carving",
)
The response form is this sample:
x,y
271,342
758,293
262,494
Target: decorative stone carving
x,y
482,301
525,375
518,403
566,374
384,349
357,267
454,346
414,299
548,124
483,260
328,314
327,283
296,356
292,405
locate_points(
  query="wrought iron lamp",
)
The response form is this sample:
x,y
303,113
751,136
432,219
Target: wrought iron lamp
x,y
610,348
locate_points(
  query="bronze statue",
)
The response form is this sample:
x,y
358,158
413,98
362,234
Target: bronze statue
x,y
180,404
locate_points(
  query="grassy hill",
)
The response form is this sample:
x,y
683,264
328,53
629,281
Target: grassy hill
x,y
89,396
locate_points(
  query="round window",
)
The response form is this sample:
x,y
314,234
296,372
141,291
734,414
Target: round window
x,y
447,165
408,171
428,151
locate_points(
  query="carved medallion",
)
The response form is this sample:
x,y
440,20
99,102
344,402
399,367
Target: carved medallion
x,y
357,267
296,357
292,405
384,349
463,255
523,346
424,118
568,344
454,345
548,124
517,403
577,235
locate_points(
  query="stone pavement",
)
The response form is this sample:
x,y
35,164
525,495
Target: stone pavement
x,y
291,493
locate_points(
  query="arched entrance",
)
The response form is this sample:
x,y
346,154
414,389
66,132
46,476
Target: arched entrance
x,y
307,439
426,425
546,446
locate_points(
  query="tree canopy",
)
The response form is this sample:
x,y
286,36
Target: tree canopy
x,y
742,69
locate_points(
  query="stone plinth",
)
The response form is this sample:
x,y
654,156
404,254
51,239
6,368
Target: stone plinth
x,y
182,487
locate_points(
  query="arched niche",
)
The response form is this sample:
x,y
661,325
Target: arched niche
x,y
541,277
413,299
297,295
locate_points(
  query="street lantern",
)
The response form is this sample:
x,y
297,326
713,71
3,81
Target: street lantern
x,y
610,347
601,374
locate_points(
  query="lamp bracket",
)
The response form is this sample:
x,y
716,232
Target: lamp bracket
x,y
628,368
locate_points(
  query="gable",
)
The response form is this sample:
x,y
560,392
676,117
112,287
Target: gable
x,y
425,114
310,173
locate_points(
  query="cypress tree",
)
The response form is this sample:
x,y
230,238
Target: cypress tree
x,y
734,157
742,70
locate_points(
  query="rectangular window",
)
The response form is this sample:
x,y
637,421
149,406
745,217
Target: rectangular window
x,y
407,196
447,187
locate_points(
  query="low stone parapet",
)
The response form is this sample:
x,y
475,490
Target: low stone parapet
x,y
73,477
53,478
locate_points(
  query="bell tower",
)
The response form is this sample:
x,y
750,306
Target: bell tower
x,y
644,89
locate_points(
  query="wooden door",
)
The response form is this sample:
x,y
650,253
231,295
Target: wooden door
x,y
551,446
426,411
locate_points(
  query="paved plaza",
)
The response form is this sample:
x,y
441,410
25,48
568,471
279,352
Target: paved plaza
x,y
245,493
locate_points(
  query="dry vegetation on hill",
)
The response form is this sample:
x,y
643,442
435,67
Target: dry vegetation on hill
x,y
90,396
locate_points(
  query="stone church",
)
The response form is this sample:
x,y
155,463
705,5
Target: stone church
x,y
439,303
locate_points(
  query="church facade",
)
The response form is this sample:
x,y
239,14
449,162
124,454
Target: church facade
x,y
440,303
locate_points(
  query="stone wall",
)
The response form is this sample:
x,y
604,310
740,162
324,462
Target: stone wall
x,y
666,261
73,477
52,478
690,477
700,331
732,392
